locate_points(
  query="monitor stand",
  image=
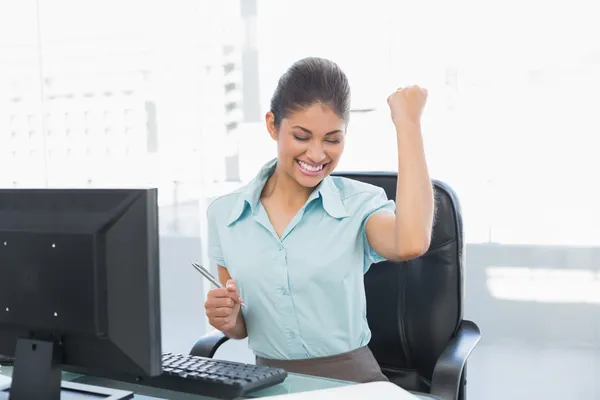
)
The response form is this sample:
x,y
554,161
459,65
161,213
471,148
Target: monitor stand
x,y
37,375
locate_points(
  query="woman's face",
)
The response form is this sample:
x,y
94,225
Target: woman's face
x,y
310,143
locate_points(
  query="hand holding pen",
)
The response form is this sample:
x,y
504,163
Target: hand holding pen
x,y
222,303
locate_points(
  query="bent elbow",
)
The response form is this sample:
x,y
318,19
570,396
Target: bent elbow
x,y
412,250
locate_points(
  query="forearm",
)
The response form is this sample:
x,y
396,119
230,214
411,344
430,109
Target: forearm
x,y
414,192
239,330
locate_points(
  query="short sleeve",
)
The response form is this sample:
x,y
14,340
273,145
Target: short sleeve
x,y
215,253
378,203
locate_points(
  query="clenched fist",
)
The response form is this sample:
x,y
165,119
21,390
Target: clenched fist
x,y
407,104
223,306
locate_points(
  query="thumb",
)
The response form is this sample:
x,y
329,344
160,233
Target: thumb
x,y
230,285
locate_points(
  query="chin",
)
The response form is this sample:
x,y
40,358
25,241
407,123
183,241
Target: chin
x,y
308,181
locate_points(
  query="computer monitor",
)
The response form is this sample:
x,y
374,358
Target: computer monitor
x,y
79,285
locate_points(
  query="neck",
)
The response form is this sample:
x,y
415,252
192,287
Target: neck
x,y
285,188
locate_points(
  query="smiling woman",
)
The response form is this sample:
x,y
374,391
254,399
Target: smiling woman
x,y
310,110
295,242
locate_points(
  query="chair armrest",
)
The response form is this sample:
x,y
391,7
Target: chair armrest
x,y
448,371
208,344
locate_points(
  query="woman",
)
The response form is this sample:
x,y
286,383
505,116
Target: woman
x,y
295,242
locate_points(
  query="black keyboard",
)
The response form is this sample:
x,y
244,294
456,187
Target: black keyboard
x,y
214,378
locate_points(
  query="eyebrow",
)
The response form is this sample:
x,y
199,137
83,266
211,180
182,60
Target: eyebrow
x,y
309,132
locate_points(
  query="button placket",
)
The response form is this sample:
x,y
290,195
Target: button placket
x,y
290,327
282,254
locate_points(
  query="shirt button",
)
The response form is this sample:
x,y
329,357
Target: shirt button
x,y
285,291
292,335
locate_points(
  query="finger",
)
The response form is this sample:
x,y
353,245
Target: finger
x,y
233,292
225,302
218,293
230,285
220,302
219,312
235,297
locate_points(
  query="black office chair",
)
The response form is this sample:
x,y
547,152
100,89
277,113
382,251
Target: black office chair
x,y
419,339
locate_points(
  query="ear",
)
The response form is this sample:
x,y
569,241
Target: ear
x,y
270,122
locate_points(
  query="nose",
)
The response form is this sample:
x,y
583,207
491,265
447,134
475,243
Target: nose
x,y
316,153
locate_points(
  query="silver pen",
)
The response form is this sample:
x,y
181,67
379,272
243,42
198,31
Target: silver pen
x,y
210,277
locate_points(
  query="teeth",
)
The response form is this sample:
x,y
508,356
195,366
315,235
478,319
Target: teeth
x,y
310,167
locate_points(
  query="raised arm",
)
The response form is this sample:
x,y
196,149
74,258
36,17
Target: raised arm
x,y
407,233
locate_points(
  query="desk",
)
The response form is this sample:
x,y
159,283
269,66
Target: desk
x,y
293,384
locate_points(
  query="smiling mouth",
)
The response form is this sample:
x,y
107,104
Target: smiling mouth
x,y
310,168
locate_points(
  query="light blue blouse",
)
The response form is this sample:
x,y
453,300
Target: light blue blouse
x,y
304,291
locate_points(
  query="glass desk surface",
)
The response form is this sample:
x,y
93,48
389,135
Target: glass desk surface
x,y
294,383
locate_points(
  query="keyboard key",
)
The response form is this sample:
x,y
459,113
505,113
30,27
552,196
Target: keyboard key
x,y
213,378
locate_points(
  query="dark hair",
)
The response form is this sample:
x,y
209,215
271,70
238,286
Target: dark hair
x,y
308,81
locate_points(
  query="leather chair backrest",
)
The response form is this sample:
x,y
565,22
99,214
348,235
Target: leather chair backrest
x,y
415,307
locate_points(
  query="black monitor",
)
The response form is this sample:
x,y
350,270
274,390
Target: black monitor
x,y
79,286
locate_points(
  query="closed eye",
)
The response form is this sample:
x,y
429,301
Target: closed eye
x,y
328,139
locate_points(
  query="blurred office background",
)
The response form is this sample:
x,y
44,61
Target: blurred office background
x,y
172,94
